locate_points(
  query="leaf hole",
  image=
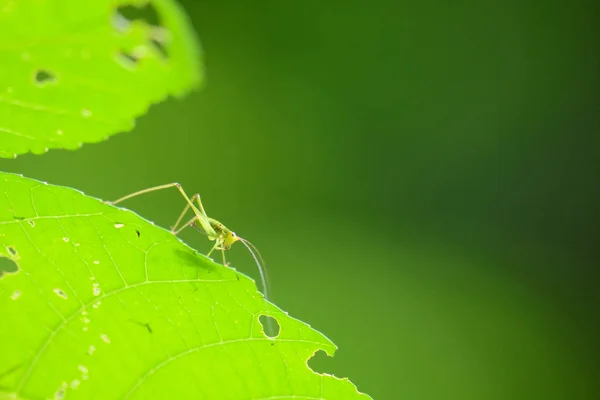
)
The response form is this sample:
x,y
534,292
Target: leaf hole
x,y
158,34
60,393
60,293
44,77
270,326
160,47
320,362
7,266
12,251
146,13
119,22
127,60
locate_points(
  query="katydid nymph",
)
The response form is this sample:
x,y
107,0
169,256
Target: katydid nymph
x,y
223,237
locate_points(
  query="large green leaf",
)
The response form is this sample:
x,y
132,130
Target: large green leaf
x,y
74,72
96,302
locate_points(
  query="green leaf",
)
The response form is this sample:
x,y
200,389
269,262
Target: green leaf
x,y
97,302
74,72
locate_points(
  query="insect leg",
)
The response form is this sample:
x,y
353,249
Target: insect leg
x,y
176,232
152,189
213,249
224,260
197,197
185,209
201,217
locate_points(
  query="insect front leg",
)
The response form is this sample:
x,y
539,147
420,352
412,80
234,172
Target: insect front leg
x,y
224,260
213,248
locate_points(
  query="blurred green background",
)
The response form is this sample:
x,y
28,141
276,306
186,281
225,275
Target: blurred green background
x,y
420,177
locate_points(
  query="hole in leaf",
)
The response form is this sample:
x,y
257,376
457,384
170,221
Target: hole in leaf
x,y
158,34
127,60
146,13
44,77
320,362
7,266
270,326
12,251
60,393
119,22
160,47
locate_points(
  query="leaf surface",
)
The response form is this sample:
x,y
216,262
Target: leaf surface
x,y
74,72
97,302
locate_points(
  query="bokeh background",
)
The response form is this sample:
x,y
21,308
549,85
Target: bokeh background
x,y
419,175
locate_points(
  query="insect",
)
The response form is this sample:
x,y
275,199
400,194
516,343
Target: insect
x,y
223,237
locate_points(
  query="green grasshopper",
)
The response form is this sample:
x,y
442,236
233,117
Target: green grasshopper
x,y
223,237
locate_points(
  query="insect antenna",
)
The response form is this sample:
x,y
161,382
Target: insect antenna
x,y
269,329
258,259
260,263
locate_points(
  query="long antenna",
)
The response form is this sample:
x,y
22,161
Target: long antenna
x,y
269,329
260,263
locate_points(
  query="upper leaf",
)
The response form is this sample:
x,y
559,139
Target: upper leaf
x,y
96,302
74,72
